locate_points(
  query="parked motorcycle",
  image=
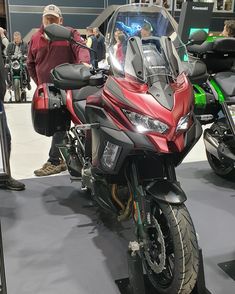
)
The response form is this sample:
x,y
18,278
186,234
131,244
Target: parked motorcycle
x,y
17,77
131,129
214,87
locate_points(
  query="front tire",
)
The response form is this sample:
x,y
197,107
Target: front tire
x,y
171,254
222,169
16,89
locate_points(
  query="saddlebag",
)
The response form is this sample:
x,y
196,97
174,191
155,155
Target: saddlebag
x,y
49,113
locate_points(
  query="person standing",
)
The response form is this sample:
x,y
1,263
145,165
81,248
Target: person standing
x,y
4,42
100,44
229,28
43,56
92,43
17,48
10,183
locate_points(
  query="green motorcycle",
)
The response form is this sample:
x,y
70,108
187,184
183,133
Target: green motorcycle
x,y
213,79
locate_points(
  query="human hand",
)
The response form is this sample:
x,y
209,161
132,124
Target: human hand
x,y
2,32
86,64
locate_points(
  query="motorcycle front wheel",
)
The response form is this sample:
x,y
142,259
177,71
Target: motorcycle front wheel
x,y
16,89
171,255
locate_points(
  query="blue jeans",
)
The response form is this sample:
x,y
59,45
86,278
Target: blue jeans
x,y
6,128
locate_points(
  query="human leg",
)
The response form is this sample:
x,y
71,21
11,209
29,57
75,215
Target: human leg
x,y
55,164
10,183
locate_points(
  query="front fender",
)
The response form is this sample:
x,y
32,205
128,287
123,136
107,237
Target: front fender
x,y
166,191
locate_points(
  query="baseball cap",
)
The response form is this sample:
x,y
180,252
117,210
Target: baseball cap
x,y
52,10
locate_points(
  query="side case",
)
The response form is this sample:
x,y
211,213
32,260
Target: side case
x,y
49,114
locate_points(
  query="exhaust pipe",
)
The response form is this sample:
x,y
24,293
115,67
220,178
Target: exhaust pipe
x,y
220,150
211,143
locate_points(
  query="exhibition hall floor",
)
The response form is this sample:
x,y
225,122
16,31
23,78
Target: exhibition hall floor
x,y
55,242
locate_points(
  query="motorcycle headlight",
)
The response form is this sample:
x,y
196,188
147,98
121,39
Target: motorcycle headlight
x,y
145,123
15,64
183,123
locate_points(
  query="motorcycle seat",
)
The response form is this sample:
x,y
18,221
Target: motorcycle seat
x,y
197,71
79,101
226,81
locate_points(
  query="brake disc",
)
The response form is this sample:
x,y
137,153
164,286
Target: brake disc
x,y
156,267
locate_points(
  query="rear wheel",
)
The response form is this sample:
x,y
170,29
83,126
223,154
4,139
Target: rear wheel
x,y
220,168
171,255
16,89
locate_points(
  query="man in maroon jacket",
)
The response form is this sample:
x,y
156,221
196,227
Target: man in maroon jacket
x,y
43,56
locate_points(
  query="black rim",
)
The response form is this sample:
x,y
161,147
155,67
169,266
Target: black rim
x,y
166,276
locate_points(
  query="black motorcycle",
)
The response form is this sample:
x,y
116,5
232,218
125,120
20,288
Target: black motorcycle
x,y
17,77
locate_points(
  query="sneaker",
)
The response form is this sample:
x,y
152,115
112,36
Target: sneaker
x,y
63,165
50,169
12,184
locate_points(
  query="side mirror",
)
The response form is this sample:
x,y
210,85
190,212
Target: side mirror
x,y
57,32
198,37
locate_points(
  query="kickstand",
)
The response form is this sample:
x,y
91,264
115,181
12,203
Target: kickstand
x,y
138,283
3,286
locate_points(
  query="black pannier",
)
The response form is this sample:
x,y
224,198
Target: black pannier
x,y
49,113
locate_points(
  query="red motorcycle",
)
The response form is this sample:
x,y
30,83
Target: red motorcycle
x,y
131,129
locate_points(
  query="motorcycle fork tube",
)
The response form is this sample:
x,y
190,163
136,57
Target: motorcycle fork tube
x,y
170,170
228,116
139,198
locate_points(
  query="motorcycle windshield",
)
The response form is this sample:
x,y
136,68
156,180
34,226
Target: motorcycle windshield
x,y
142,43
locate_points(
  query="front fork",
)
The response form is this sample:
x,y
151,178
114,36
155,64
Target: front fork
x,y
141,200
228,116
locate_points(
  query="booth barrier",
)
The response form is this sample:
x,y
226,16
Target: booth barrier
x,y
4,158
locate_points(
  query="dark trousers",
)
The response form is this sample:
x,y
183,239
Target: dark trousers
x,y
6,128
54,153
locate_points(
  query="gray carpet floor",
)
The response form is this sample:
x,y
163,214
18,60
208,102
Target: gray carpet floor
x,y
56,242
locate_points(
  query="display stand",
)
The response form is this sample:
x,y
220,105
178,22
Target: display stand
x,y
138,283
3,286
229,268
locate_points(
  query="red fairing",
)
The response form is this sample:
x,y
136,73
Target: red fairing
x,y
138,100
69,105
40,98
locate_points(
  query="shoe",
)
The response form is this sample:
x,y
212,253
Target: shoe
x,y
12,184
63,165
50,169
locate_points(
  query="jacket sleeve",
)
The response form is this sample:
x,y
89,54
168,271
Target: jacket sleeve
x,y
5,43
81,54
2,78
103,47
9,50
31,66
25,48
